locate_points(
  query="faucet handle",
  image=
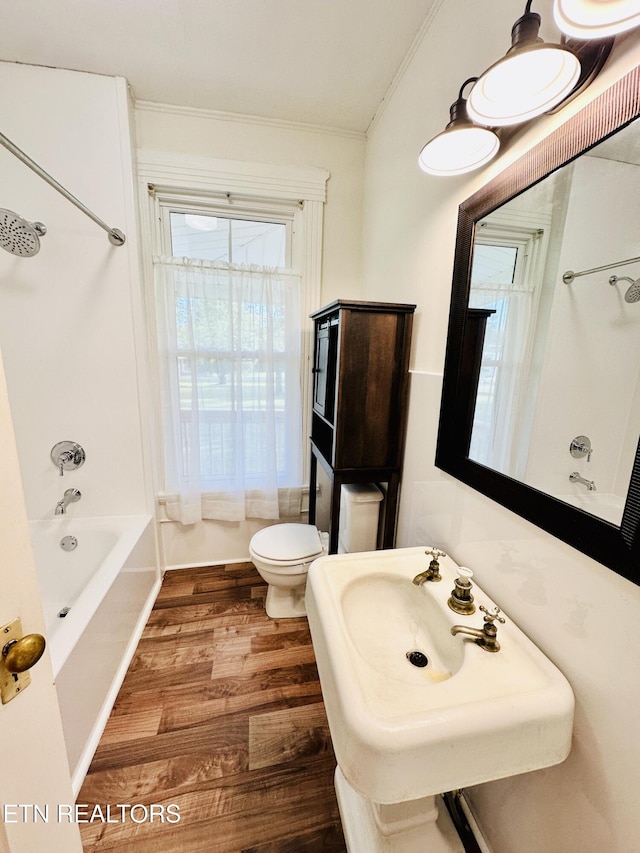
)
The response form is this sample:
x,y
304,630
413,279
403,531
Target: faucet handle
x,y
493,616
435,553
581,446
434,565
67,456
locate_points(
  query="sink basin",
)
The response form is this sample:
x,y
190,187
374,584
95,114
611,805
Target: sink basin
x,y
384,620
403,731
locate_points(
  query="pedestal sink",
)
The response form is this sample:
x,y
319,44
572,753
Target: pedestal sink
x,y
456,716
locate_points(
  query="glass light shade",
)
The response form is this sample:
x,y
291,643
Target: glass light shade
x,y
458,150
523,84
593,19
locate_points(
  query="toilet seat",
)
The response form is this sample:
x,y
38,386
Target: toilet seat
x,y
287,545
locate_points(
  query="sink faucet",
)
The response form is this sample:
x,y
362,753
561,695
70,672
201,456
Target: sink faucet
x,y
486,637
433,572
69,497
576,478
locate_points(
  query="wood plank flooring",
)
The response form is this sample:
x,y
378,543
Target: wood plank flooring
x,y
221,715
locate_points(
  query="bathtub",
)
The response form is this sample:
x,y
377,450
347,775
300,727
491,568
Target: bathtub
x,y
74,583
604,505
96,600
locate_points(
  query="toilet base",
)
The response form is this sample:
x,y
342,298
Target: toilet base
x,y
285,603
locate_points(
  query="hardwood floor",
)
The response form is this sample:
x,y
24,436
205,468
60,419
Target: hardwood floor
x,y
221,716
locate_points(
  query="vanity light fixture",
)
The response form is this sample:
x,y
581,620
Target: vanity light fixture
x,y
531,79
462,146
593,19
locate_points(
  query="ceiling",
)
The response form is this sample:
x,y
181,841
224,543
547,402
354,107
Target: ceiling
x,y
321,62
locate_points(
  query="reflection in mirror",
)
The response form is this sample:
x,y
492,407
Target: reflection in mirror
x,y
562,361
556,425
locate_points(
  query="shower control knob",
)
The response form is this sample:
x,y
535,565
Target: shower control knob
x,y
581,447
67,456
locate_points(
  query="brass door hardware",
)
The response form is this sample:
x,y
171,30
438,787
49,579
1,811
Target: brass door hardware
x,y
18,654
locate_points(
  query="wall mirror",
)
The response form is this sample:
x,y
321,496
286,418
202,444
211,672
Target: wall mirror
x,y
541,395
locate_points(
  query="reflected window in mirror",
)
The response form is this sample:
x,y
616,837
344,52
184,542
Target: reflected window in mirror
x,y
506,278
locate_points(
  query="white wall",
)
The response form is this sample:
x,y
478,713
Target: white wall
x,y
582,615
68,314
199,133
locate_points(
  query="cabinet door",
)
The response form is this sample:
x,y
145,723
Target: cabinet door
x,y
324,368
371,389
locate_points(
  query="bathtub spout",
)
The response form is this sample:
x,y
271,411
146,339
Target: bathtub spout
x,y
69,497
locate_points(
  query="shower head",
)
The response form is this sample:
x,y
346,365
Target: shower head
x,y
18,236
633,291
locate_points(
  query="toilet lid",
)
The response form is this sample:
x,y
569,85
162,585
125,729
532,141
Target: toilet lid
x,y
287,542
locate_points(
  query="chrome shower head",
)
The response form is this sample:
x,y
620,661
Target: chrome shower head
x,y
19,237
633,291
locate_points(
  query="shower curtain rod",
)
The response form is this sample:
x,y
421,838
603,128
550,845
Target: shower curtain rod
x,y
569,276
116,237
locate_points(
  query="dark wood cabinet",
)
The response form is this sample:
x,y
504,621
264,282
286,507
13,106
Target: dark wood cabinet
x,y
360,390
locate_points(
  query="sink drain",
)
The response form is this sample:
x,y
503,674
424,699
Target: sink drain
x,y
417,658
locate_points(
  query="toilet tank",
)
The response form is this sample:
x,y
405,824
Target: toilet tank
x,y
359,512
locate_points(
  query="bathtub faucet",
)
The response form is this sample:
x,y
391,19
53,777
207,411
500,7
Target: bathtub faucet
x,y
70,497
588,484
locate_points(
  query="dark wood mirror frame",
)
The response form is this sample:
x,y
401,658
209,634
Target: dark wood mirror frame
x,y
615,547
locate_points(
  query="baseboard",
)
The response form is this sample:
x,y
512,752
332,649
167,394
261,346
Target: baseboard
x,y
176,566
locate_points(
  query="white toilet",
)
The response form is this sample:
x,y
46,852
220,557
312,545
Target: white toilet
x,y
282,553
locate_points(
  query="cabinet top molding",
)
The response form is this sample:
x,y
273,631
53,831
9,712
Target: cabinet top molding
x,y
354,305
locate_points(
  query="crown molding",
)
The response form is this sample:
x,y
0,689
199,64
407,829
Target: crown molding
x,y
218,115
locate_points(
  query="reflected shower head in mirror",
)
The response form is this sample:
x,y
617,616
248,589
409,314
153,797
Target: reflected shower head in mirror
x,y
633,291
19,237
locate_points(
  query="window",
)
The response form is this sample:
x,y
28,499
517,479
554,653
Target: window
x,y
233,261
230,347
505,278
237,241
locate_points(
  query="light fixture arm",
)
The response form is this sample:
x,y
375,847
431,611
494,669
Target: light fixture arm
x,y
464,86
458,109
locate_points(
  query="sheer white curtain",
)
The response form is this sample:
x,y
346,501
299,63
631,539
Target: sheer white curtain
x,y
229,340
497,421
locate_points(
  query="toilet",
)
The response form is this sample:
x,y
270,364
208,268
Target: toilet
x,y
282,553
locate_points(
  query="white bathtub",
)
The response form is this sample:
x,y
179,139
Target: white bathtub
x,y
79,579
108,583
604,505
